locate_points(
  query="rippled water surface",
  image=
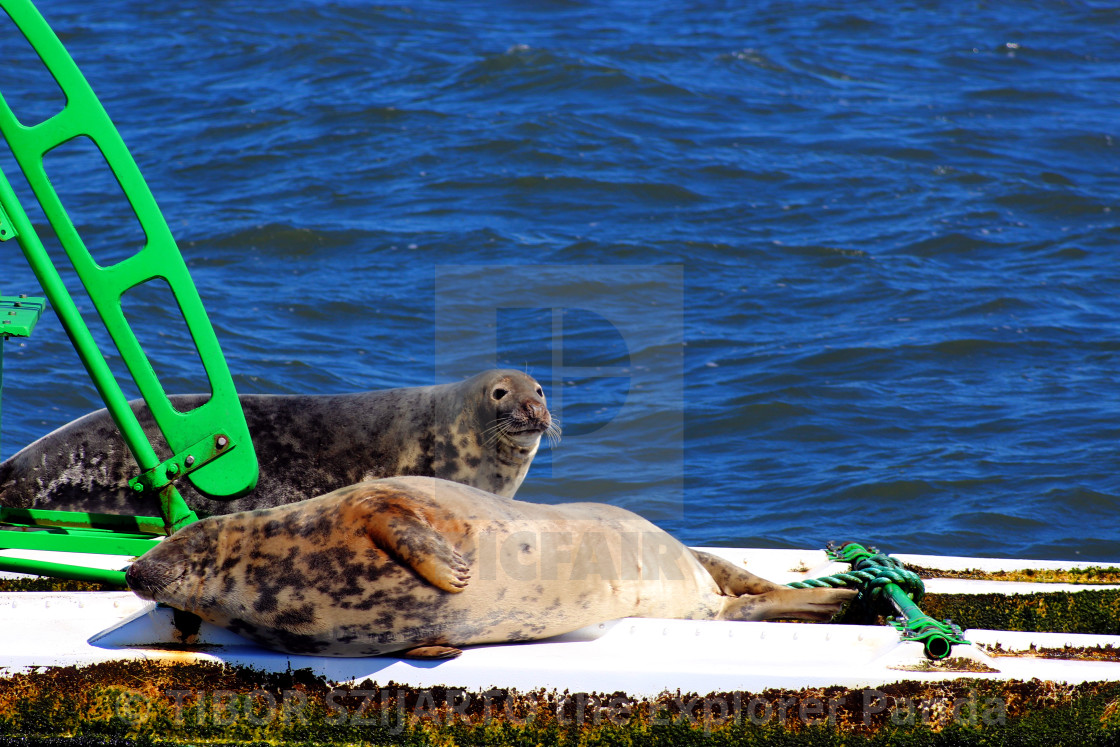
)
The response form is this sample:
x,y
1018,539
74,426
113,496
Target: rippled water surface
x,y
788,272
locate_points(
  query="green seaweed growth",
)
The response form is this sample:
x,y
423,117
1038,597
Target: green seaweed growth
x,y
148,703
45,583
1068,653
1089,575
1089,611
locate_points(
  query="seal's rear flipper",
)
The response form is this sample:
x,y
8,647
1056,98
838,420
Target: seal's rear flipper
x,y
733,580
819,605
431,652
404,534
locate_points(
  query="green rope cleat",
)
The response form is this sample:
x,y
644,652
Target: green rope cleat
x,y
885,583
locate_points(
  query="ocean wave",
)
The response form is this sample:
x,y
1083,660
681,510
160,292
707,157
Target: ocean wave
x,y
864,255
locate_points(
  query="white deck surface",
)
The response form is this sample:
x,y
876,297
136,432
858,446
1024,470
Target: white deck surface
x,y
637,656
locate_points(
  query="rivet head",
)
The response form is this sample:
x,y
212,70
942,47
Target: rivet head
x,y
189,461
222,442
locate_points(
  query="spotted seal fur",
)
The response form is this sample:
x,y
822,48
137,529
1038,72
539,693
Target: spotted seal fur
x,y
483,431
424,566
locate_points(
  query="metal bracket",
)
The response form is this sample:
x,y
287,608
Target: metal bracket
x,y
183,463
937,638
7,228
19,315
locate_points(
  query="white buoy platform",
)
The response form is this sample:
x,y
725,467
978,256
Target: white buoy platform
x,y
641,657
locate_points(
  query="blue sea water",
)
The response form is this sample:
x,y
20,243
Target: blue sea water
x,y
789,272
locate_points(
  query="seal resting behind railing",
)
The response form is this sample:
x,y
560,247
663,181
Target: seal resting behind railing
x,y
483,431
422,566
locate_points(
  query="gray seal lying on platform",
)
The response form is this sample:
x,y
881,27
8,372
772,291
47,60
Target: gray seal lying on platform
x,y
423,566
483,431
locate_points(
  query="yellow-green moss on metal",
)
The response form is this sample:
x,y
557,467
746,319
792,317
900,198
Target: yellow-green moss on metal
x,y
144,703
1091,575
1090,611
1069,653
952,664
44,583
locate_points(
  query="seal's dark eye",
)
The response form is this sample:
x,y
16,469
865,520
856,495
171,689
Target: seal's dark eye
x,y
497,394
540,392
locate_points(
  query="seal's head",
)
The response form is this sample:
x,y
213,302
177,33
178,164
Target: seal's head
x,y
500,417
513,406
160,571
148,579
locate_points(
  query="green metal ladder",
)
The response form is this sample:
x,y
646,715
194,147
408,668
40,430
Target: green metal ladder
x,y
211,445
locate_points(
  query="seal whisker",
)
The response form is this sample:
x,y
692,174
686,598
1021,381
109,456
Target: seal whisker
x,y
495,433
552,433
493,428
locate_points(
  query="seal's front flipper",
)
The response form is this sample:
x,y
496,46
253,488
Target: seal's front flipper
x,y
431,652
819,605
401,532
731,579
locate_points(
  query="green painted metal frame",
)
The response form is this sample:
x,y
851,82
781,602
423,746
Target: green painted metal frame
x,y
211,445
121,525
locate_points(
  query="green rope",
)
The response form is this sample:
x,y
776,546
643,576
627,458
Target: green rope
x,y
871,570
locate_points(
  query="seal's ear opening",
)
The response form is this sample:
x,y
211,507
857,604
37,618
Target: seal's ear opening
x,y
498,394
